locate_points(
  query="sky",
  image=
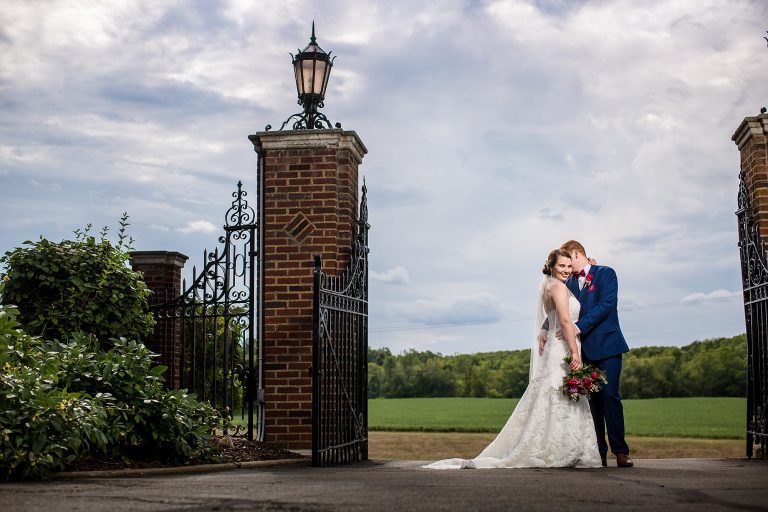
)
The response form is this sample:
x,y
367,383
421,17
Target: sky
x,y
496,130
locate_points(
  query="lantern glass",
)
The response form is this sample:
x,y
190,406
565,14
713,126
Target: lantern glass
x,y
311,76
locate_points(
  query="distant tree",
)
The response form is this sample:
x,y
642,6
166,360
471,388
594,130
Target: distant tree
x,y
704,368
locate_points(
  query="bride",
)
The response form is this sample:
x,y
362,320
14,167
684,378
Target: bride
x,y
546,429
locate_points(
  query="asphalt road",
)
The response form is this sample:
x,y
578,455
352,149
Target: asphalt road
x,y
672,484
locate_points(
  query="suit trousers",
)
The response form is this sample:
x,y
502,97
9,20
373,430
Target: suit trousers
x,y
607,411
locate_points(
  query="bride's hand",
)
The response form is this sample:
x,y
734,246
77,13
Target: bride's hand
x,y
575,361
592,261
542,341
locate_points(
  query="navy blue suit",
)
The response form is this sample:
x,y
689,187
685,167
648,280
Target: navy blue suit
x,y
602,345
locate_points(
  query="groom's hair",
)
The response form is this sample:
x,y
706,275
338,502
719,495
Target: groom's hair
x,y
573,245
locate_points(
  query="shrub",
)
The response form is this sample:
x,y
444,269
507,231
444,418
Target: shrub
x,y
42,426
74,383
65,400
81,285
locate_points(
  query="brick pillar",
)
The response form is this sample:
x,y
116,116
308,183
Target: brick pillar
x,y
162,274
752,139
310,206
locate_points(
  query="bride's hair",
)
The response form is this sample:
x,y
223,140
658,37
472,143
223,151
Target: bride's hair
x,y
552,260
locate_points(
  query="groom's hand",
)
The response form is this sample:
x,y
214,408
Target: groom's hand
x,y
542,341
559,333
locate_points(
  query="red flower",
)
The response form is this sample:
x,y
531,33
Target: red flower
x,y
583,382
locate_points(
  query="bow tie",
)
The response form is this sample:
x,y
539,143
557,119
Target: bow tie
x,y
581,273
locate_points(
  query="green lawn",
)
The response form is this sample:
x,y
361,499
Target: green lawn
x,y
723,418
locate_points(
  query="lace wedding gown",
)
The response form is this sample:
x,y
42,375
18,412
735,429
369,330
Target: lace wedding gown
x,y
546,429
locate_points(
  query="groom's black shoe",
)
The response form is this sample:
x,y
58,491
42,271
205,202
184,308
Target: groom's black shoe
x,y
604,459
623,461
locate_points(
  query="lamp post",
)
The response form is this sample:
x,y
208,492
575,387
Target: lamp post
x,y
312,68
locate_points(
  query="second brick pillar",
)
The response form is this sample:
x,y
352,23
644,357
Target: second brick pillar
x,y
310,183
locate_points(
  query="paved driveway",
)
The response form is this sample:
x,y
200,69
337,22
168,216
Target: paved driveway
x,y
679,484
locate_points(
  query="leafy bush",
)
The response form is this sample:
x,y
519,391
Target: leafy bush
x,y
81,285
42,426
73,382
63,400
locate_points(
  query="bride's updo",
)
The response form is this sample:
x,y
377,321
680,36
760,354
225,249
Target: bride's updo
x,y
552,260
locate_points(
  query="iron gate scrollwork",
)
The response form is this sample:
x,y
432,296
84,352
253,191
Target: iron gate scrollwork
x,y
340,356
216,324
754,275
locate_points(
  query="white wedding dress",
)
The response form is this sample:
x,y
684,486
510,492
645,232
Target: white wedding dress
x,y
546,429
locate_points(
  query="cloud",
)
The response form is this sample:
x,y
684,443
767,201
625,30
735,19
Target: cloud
x,y
715,295
478,165
397,275
198,226
481,308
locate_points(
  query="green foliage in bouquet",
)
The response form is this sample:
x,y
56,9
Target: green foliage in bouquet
x,y
81,285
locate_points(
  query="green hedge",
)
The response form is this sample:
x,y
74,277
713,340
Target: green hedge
x,y
81,285
74,383
65,400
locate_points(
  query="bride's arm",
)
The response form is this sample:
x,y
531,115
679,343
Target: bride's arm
x,y
560,298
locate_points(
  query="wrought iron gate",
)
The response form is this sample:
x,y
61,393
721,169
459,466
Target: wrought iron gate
x,y
216,324
340,356
754,275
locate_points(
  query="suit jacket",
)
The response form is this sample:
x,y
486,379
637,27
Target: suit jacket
x,y
598,322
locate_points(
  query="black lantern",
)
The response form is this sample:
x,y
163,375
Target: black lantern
x,y
312,68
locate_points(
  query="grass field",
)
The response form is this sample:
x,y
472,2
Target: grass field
x,y
442,445
711,418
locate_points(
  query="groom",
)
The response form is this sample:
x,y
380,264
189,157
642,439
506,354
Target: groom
x,y
602,345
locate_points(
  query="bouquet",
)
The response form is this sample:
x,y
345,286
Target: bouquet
x,y
582,382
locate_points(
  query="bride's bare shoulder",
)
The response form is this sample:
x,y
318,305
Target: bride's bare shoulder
x,y
555,283
556,286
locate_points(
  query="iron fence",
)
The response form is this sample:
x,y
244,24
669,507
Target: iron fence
x,y
215,326
340,356
754,275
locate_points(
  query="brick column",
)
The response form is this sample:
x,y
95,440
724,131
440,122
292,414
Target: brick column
x,y
310,206
162,274
752,140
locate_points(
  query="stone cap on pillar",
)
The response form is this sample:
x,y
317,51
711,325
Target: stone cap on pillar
x,y
750,127
310,139
175,259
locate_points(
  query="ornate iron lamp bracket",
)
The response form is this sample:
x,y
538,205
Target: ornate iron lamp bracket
x,y
307,121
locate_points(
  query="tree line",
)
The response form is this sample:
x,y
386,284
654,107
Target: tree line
x,y
714,367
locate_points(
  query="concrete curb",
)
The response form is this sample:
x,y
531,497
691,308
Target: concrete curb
x,y
176,470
